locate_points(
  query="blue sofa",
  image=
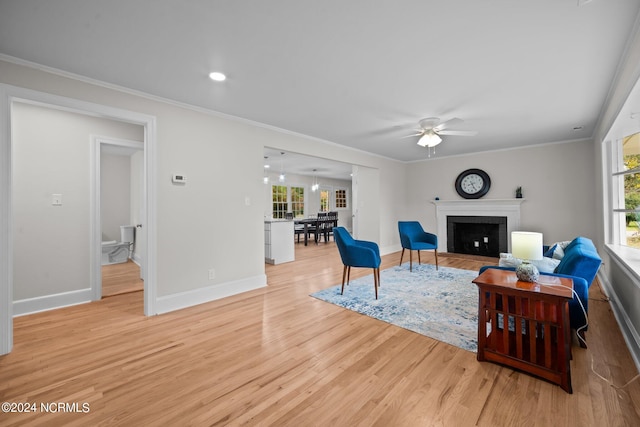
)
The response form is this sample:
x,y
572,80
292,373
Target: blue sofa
x,y
580,263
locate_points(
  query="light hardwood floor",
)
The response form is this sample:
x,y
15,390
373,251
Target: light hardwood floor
x,y
276,356
121,279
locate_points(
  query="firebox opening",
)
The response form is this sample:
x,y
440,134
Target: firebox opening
x,y
477,235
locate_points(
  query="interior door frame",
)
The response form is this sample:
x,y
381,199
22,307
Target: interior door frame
x,y
10,94
365,196
96,208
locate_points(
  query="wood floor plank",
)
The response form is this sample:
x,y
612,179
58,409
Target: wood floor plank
x,y
276,356
121,278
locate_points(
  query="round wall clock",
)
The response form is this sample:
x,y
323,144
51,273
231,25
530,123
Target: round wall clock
x,y
473,183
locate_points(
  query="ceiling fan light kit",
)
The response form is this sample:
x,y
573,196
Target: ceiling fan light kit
x,y
429,139
431,130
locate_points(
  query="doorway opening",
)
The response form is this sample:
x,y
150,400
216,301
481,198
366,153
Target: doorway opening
x,y
11,96
118,167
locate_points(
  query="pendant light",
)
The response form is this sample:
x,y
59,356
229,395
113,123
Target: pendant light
x,y
282,177
315,185
265,178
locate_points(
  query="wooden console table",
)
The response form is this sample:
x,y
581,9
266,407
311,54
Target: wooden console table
x,y
526,325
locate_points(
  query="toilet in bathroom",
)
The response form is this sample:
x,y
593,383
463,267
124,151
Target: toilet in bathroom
x,y
114,252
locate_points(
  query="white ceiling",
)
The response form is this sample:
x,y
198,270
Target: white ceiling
x,y
358,73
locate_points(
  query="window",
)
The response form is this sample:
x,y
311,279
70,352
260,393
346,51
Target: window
x,y
324,200
297,202
626,191
341,199
287,199
279,197
333,198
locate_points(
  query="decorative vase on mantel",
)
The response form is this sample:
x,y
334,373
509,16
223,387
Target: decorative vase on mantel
x,y
519,193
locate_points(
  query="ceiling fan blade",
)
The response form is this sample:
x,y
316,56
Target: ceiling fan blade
x,y
448,123
414,134
457,132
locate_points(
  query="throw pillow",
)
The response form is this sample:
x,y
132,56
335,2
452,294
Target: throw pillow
x,y
507,260
544,265
549,253
558,250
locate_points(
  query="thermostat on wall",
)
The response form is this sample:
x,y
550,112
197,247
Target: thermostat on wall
x,y
179,179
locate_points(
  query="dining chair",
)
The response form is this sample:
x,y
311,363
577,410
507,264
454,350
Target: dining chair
x,y
315,228
330,223
357,253
325,225
298,230
414,238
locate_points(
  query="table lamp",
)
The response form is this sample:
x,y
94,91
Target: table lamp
x,y
527,246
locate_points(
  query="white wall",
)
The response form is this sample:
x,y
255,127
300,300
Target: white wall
x,y
206,223
223,159
115,194
620,282
557,182
51,156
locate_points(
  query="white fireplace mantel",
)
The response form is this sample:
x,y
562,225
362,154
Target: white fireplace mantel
x,y
509,208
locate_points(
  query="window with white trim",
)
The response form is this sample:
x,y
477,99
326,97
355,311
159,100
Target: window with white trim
x,y
625,195
280,195
325,202
297,202
341,199
287,199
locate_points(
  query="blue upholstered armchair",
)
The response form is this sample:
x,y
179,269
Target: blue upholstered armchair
x,y
357,253
414,238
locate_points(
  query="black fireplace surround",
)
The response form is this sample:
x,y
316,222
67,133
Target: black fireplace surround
x,y
477,235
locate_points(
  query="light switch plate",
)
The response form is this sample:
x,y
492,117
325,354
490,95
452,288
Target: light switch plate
x,y
179,178
56,199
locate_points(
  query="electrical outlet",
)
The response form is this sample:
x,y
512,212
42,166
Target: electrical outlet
x,y
212,274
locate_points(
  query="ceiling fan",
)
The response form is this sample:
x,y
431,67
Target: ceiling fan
x,y
431,129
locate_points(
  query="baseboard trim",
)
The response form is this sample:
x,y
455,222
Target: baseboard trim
x,y
386,250
629,333
51,302
136,258
168,303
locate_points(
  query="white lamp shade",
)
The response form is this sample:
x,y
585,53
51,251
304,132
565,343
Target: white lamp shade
x,y
526,245
429,139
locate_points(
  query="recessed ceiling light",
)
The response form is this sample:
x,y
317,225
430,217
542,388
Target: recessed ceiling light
x,y
217,76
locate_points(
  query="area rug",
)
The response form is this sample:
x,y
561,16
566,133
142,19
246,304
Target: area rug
x,y
441,304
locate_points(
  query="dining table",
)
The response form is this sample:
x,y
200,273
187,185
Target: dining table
x,y
306,222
